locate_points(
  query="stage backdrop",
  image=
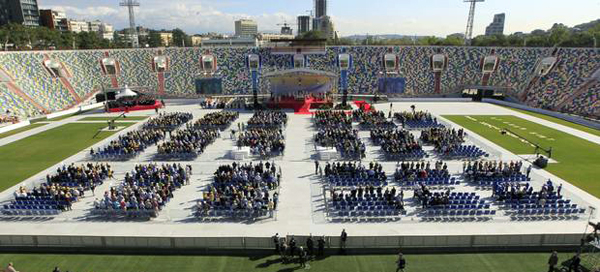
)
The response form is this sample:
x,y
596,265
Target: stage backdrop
x,y
392,85
209,86
305,84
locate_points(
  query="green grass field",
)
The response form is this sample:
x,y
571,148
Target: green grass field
x,y
578,158
558,121
19,130
514,262
100,118
27,157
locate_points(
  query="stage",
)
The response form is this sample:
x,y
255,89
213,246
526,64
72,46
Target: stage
x,y
157,105
299,105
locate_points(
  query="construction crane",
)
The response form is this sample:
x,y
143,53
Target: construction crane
x,y
469,32
130,4
286,29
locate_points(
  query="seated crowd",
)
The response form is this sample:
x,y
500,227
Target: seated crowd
x,y
245,190
268,119
397,144
450,143
487,171
332,119
128,145
344,139
211,103
218,120
372,119
417,119
132,143
264,142
368,198
189,143
4,119
420,172
356,173
145,190
168,121
451,203
61,189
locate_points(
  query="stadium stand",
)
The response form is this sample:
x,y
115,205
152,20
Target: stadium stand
x,y
515,70
12,104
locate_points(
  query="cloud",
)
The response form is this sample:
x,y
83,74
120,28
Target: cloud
x,y
190,15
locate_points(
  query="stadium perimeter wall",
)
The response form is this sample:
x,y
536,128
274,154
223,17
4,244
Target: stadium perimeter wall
x,y
15,126
566,117
441,243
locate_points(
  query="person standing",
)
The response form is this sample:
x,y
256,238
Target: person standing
x,y
401,263
302,257
310,246
528,170
552,261
292,245
575,262
321,245
316,167
276,242
343,238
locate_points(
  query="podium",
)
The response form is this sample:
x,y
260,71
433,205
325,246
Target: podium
x,y
327,153
239,154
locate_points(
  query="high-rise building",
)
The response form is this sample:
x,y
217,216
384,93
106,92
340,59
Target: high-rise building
x,y
54,19
325,26
497,26
23,12
303,24
245,28
320,8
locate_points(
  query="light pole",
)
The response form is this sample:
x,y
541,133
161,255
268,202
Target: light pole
x,y
253,62
344,63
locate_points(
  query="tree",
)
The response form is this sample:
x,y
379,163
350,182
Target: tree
x,y
180,38
154,39
312,35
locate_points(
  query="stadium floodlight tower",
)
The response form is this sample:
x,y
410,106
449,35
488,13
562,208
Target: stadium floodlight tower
x,y
253,63
469,32
344,62
130,4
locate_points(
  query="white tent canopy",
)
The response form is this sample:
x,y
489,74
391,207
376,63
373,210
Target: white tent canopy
x,y
126,92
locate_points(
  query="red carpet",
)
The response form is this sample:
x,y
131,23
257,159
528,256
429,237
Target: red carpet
x,y
299,106
366,106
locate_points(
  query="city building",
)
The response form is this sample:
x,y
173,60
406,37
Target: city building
x,y
23,12
197,40
94,26
287,30
54,19
325,26
497,26
166,38
245,28
267,37
303,24
320,8
107,31
77,26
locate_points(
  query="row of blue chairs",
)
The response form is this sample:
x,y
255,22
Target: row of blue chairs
x,y
124,213
430,183
467,151
545,206
30,210
118,155
535,200
228,213
415,154
469,212
511,178
422,124
549,211
368,215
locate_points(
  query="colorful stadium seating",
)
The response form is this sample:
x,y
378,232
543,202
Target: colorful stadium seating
x,y
515,70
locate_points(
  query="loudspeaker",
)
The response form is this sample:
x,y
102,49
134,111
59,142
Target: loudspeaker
x,y
541,162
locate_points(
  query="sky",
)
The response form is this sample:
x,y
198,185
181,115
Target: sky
x,y
407,17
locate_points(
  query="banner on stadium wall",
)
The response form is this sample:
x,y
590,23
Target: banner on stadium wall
x,y
392,85
209,86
